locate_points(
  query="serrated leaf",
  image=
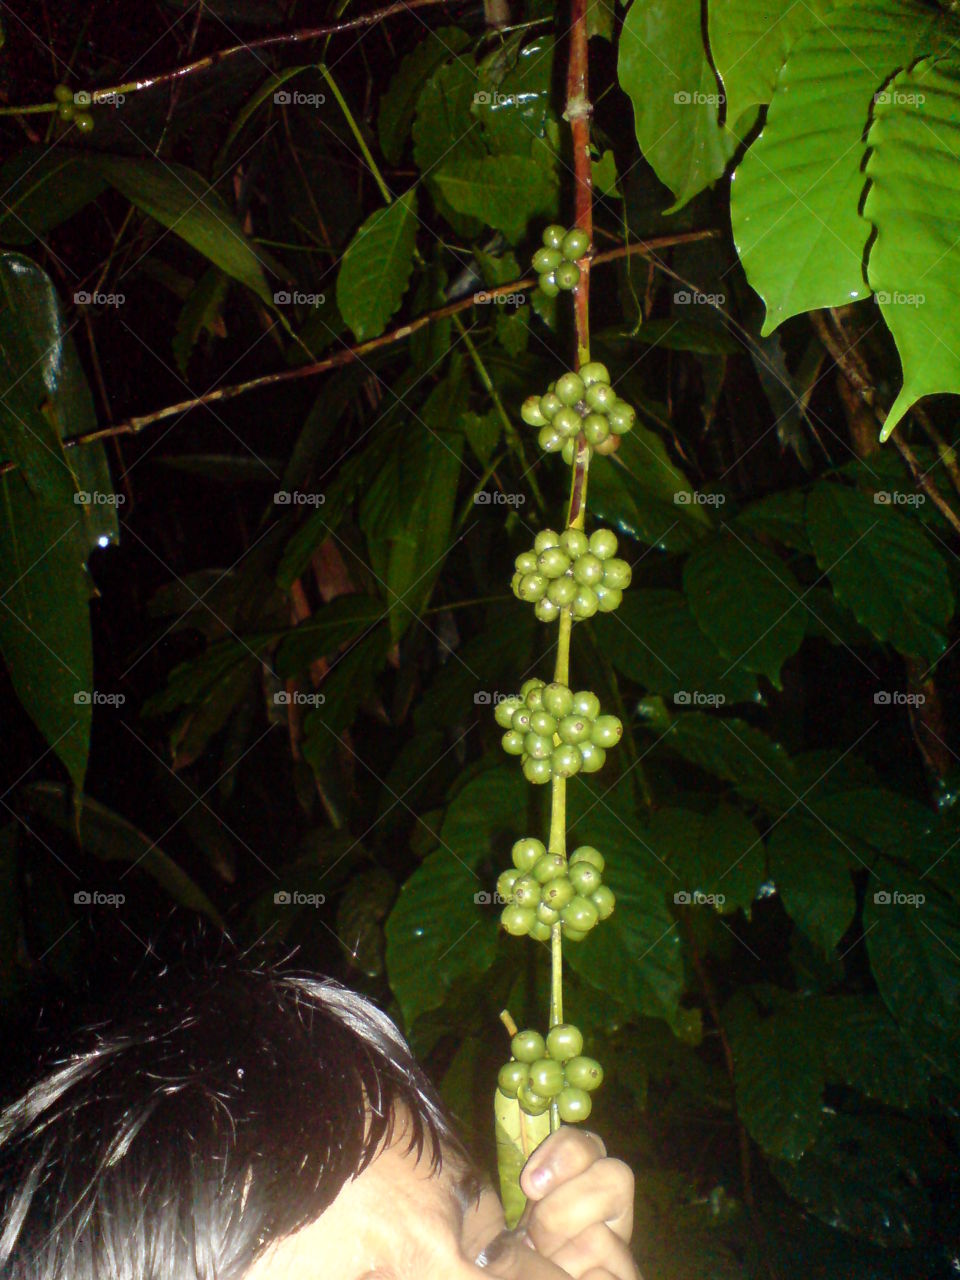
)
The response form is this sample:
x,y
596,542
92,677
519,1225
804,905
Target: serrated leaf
x,y
795,195
914,203
398,104
883,567
503,191
376,267
747,601
664,70
811,871
718,854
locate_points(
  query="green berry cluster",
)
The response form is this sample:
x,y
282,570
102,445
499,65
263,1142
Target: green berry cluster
x,y
570,570
542,889
578,403
556,263
555,731
67,110
542,1071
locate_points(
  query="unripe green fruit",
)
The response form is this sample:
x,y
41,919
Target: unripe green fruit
x,y
606,732
574,542
566,760
527,852
564,1042
530,412
557,699
548,915
526,562
585,603
528,1046
83,121
562,591
594,371
621,417
579,913
505,882
588,570
574,728
601,396
554,235
543,722
512,1076
537,746
521,720
537,772
592,757
574,935
526,891
547,1077
532,1103
546,260
545,538
574,1105
608,446
567,275
553,562
533,587
517,920
568,451
585,879
550,403
585,703
549,439
550,866
504,711
555,894
66,111
588,854
616,573
567,424
531,691
581,1073
570,388
604,899
546,610
608,598
539,931
512,742
548,284
603,543
63,93
575,244
595,428
515,583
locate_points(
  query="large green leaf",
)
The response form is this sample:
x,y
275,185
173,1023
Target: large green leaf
x,y
321,635
376,267
47,531
182,201
514,102
42,187
863,1047
795,195
664,70
504,191
718,854
810,868
883,567
747,601
914,203
398,104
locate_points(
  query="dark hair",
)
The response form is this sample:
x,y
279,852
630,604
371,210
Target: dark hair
x,y
226,1113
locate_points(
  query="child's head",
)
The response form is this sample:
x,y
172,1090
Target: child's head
x,y
227,1113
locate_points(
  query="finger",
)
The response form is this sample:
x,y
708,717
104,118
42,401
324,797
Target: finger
x,y
596,1251
562,1156
603,1194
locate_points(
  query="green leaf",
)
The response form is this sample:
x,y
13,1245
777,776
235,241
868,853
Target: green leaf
x,y
444,122
811,871
376,267
514,101
747,601
43,187
328,629
780,516
883,567
654,639
795,195
719,854
914,203
350,683
504,191
864,1048
360,913
436,933
517,1136
202,313
398,104
679,335
179,199
483,432
758,767
664,70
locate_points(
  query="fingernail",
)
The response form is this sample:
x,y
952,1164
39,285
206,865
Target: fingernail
x,y
539,1179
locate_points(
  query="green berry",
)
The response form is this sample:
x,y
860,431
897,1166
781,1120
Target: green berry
x,y
66,111
588,570
600,396
521,719
513,1075
547,1076
557,699
584,878
608,598
579,913
543,722
564,1041
512,742
555,894
588,854
550,866
553,562
540,932
505,882
562,590
532,587
548,284
537,772
575,244
616,573
530,412
594,371
566,760
574,542
517,920
604,899
585,603
531,691
574,935
595,428
607,731
549,915
603,543
537,746
528,1046
83,120
585,704
570,388
621,417
526,562
546,260
582,1073
574,728
545,538
526,891
63,93
568,451
549,439
503,712
567,275
527,852
592,757
554,235
567,424
532,1103
608,446
574,1105
550,403
547,610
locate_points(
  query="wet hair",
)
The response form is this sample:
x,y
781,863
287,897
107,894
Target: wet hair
x,y
222,1116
